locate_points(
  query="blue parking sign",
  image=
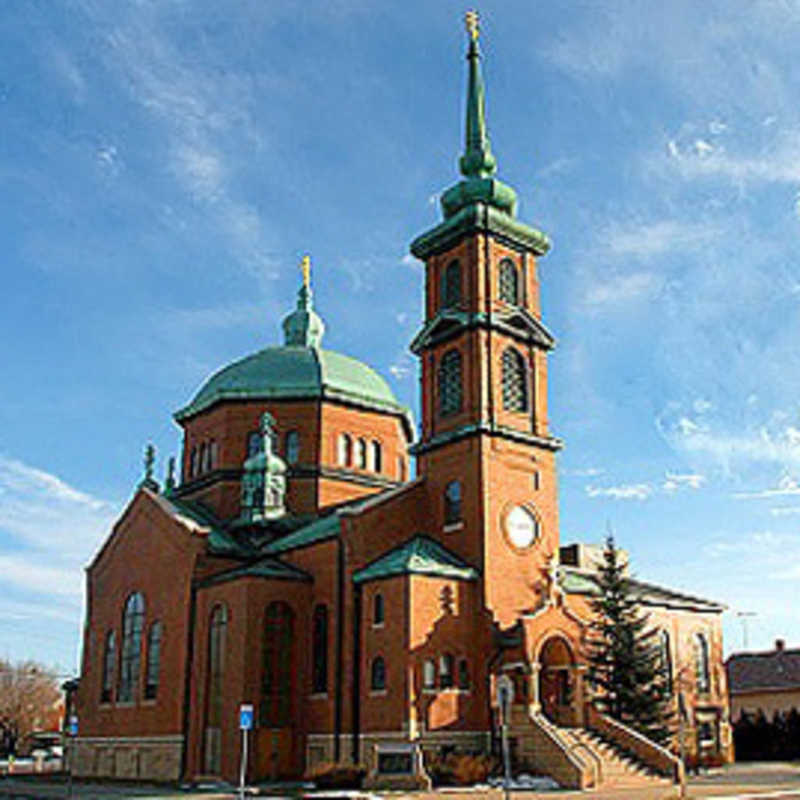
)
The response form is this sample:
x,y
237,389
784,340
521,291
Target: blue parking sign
x,y
72,727
246,717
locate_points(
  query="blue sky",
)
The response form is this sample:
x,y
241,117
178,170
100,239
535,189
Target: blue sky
x,y
165,164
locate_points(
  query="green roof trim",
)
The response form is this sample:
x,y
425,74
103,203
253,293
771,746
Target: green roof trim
x,y
419,556
220,542
317,531
483,218
269,568
295,372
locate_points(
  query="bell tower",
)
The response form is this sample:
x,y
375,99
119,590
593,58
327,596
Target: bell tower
x,y
486,450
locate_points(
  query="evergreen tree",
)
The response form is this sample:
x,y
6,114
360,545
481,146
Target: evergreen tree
x,y
626,669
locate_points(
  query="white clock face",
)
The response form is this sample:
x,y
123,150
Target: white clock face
x,y
521,527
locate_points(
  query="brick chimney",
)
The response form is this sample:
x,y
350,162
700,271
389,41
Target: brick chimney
x,y
780,644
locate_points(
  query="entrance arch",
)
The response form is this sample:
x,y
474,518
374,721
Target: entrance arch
x,y
557,681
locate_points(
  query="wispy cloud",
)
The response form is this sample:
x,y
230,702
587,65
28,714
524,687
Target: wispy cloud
x,y
620,291
646,240
674,481
627,491
787,487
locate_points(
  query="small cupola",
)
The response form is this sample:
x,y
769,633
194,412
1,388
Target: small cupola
x,y
264,479
303,327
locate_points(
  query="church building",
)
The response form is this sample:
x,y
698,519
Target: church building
x,y
368,608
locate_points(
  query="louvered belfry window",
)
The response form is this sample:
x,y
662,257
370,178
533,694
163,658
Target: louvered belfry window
x,y
450,386
509,282
515,382
451,285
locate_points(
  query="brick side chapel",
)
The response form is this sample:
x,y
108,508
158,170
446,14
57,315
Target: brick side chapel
x,y
368,616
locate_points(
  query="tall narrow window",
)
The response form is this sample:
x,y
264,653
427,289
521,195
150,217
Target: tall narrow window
x,y
217,634
213,454
451,286
254,443
345,450
701,663
377,456
452,502
378,610
665,659
378,674
446,671
362,454
277,666
450,383
193,463
508,282
203,460
292,447
153,676
109,663
429,674
514,381
320,650
132,624
463,674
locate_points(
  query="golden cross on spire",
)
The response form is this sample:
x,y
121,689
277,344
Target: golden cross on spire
x,y
471,20
305,266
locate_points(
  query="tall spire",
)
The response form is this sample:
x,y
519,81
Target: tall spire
x,y
303,327
477,164
477,160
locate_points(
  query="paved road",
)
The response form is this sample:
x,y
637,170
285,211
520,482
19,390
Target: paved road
x,y
772,781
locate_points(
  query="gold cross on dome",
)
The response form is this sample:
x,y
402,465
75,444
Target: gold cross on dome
x,y
471,19
305,266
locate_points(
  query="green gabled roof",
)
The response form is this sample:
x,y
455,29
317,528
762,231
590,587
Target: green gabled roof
x,y
220,542
419,556
317,531
269,568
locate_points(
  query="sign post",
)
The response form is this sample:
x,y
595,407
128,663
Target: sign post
x,y
245,725
72,732
505,697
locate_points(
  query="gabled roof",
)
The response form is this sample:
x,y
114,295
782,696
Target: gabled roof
x,y
777,669
418,556
269,568
514,321
317,531
580,581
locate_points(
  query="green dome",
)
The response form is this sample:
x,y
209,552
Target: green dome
x,y
292,372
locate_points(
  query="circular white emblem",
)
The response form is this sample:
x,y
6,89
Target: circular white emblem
x,y
521,527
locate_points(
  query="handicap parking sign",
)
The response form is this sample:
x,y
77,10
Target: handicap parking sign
x,y
246,717
72,727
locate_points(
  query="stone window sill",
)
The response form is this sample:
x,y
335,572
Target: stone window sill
x,y
451,527
318,696
378,692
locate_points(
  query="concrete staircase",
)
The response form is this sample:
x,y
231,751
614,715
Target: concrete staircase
x,y
616,768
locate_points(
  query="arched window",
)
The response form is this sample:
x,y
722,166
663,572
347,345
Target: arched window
x,y
109,662
277,666
515,381
292,447
377,680
377,456
508,282
702,663
217,634
451,286
463,674
320,650
378,610
446,671
153,674
450,388
452,502
429,674
362,454
132,624
665,659
254,443
345,455
193,463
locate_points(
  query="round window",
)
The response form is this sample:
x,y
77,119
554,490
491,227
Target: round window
x,y
522,528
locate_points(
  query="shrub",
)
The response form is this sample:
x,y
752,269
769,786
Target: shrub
x,y
330,775
460,769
